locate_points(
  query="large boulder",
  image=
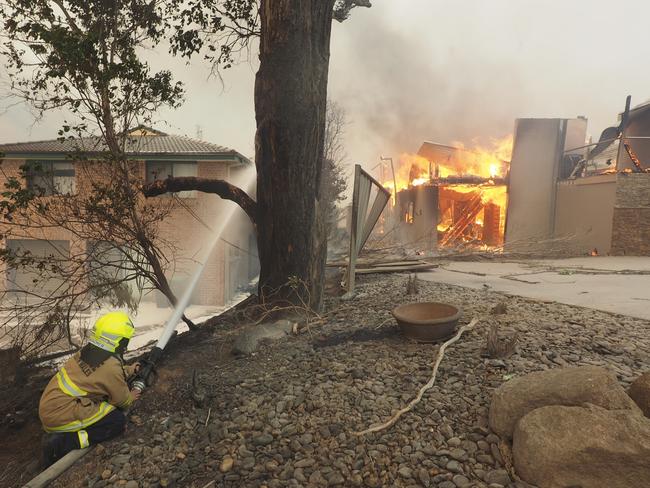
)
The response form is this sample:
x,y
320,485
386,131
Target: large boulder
x,y
640,392
250,339
591,447
562,386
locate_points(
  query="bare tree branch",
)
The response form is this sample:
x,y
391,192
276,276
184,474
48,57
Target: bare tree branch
x,y
221,188
342,8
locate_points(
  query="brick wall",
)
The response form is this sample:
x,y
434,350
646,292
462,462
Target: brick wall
x,y
633,190
631,229
183,228
11,169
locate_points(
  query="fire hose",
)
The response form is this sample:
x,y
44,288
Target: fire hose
x,y
140,381
148,366
144,377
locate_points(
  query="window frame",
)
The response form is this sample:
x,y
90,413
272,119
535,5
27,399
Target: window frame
x,y
410,212
99,248
57,247
53,179
151,177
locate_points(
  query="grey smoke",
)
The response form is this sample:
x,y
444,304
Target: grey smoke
x,y
404,95
411,70
441,70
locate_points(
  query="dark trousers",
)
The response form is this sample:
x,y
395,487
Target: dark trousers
x,y
110,426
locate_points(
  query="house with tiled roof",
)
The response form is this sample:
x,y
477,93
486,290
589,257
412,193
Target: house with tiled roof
x,y
142,141
232,264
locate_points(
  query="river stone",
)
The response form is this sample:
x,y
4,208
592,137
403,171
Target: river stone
x,y
120,459
250,339
263,439
562,386
497,477
424,477
640,392
460,481
559,446
405,472
454,467
335,478
454,442
226,464
304,463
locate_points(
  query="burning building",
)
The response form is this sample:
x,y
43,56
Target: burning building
x,y
451,195
545,189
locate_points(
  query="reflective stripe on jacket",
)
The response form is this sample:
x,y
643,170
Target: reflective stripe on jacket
x,y
74,399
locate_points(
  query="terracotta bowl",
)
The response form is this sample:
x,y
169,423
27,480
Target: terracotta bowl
x,y
427,321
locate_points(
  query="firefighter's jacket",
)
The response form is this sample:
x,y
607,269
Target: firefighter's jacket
x,y
78,396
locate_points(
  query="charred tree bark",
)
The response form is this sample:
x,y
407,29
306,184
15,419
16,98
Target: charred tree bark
x,y
219,187
290,106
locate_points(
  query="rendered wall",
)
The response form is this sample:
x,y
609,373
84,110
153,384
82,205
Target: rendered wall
x,y
539,145
531,187
584,212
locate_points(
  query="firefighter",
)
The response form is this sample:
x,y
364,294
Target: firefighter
x,y
84,402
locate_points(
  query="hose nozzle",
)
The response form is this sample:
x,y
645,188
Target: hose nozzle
x,y
147,369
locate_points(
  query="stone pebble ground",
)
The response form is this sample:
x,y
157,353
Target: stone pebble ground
x,y
287,416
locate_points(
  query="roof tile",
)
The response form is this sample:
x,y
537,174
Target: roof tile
x,y
149,144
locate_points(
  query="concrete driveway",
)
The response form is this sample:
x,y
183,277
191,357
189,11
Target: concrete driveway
x,y
613,284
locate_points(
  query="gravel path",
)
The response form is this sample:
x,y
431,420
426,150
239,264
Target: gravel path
x,y
287,416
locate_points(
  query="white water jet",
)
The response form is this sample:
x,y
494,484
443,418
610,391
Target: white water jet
x,y
184,301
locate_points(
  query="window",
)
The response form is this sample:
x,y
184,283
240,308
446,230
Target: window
x,y
105,261
160,170
33,277
410,213
51,177
111,275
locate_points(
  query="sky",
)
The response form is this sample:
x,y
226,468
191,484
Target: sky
x,y
406,71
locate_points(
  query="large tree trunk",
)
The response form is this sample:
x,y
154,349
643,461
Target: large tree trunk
x,y
290,106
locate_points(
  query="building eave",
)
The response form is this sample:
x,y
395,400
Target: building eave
x,y
230,157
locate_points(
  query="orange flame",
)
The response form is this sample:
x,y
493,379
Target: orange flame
x,y
488,162
460,219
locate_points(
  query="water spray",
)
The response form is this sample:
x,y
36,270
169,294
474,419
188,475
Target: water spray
x,y
147,367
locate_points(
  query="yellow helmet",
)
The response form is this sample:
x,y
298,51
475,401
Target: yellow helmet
x,y
110,329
